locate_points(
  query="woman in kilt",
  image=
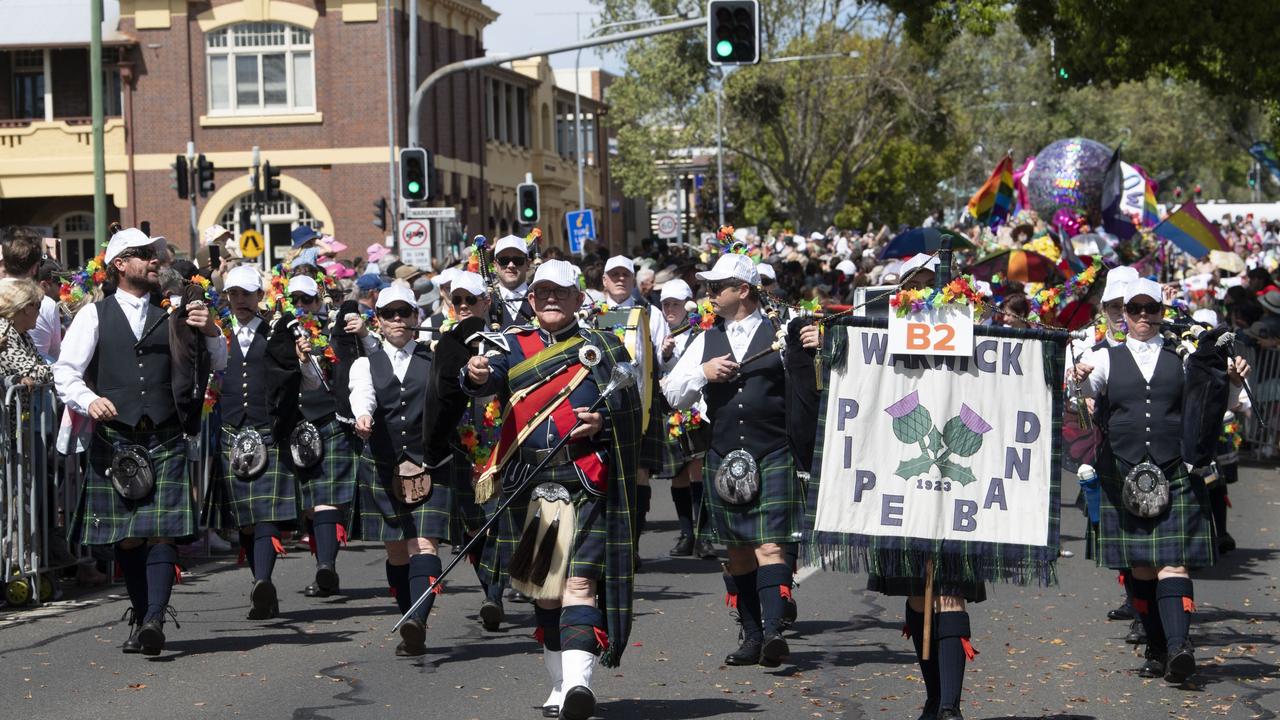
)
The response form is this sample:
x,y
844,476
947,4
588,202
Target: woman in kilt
x,y
1142,382
110,370
748,406
399,504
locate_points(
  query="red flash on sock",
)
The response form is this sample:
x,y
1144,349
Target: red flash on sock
x,y
393,590
731,600
539,634
275,543
1188,605
785,591
439,588
906,630
177,574
342,534
1141,606
969,652
1120,579
602,638
243,556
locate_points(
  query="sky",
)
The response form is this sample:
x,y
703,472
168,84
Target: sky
x,y
531,24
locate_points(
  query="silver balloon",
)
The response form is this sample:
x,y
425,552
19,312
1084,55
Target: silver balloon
x,y
1068,175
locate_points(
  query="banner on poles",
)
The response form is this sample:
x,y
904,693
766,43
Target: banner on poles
x,y
953,460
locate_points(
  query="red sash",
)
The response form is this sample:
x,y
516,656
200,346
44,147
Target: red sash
x,y
563,416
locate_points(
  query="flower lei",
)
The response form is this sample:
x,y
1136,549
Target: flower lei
x,y
1100,331
681,422
277,293
1231,433
82,284
213,300
959,291
479,440
603,306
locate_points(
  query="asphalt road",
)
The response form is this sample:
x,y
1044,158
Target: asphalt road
x,y
1044,652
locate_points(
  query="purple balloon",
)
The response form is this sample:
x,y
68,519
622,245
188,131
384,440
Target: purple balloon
x,y
1068,175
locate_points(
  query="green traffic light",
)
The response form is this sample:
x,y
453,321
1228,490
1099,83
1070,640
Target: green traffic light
x,y
1062,73
724,48
414,187
528,212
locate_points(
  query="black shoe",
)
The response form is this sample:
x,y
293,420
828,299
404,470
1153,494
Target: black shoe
x,y
151,637
774,650
1124,612
1154,665
748,653
550,711
131,646
518,597
1181,665
930,711
789,613
579,704
264,604
414,634
326,582
491,615
1137,633
683,546
705,550
1226,544
949,714
400,650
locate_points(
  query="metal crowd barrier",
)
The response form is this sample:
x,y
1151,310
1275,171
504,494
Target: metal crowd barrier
x,y
33,483
1263,443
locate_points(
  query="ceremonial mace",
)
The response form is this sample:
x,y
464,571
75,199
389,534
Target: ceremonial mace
x,y
624,375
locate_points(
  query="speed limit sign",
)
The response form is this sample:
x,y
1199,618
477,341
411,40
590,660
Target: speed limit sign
x,y
668,225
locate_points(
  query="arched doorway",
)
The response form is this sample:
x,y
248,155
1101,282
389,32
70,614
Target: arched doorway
x,y
278,220
75,238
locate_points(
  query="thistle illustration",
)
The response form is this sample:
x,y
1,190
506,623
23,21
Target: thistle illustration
x,y
960,437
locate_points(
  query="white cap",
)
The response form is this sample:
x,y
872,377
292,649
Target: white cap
x,y
468,281
920,260
126,239
766,271
815,235
511,242
445,276
1117,278
213,233
619,261
556,272
1143,286
676,289
245,277
847,267
396,293
1206,316
303,284
732,265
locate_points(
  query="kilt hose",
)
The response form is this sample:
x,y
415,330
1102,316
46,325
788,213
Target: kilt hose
x,y
382,517
270,496
332,480
1182,536
775,516
103,517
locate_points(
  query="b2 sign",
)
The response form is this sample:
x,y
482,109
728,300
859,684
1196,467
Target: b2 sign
x,y
947,330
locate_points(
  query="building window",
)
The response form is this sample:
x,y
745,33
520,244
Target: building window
x,y
261,67
76,233
279,219
28,84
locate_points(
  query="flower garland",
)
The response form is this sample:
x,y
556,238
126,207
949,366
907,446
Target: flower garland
x,y
681,422
959,291
1232,433
1100,331
480,440
213,300
79,285
277,294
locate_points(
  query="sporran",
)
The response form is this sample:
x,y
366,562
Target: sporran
x,y
305,445
248,454
1146,491
412,483
131,472
738,478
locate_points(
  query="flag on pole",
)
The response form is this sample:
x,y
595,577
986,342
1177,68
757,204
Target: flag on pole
x,y
990,206
1150,212
1191,232
1114,219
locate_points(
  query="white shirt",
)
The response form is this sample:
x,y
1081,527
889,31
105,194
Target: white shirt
x,y
47,334
363,399
1145,353
81,342
683,385
244,334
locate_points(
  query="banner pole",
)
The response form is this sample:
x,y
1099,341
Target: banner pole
x,y
928,611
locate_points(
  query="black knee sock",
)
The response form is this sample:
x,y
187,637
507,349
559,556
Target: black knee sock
x,y
1218,505
928,668
133,566
246,547
683,500
548,632
699,513
578,628
1126,581
644,494
952,653
1144,601
264,550
398,581
1176,598
770,579
422,569
791,552
324,530
749,605
162,558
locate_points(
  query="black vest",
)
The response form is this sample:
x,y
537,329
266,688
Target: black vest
x,y
319,405
1145,419
135,379
397,421
751,411
244,386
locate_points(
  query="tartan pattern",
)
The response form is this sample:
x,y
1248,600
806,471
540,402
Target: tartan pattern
x,y
652,452
590,539
332,481
102,517
1181,537
270,497
383,518
974,591
775,516
674,459
467,516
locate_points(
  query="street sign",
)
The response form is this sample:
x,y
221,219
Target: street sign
x,y
668,225
415,243
431,213
251,244
582,227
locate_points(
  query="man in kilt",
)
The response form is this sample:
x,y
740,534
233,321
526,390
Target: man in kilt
x,y
399,504
548,381
1142,382
256,493
113,371
748,407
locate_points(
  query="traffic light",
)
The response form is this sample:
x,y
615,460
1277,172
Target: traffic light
x,y
733,32
380,214
1064,74
204,176
527,210
178,171
271,184
415,176
1253,177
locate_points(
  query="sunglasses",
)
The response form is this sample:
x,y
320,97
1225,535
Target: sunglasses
x,y
516,260
1136,309
393,314
559,293
147,252
715,288
465,299
301,299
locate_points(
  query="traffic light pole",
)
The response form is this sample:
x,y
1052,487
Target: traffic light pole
x,y
193,185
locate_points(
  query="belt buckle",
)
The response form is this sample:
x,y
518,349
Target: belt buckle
x,y
542,454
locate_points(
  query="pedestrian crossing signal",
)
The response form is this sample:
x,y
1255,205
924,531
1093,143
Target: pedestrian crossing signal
x,y
733,32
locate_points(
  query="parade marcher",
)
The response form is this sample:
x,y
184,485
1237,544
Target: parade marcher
x,y
1227,462
581,499
511,256
747,406
257,493
917,272
114,372
1142,381
399,504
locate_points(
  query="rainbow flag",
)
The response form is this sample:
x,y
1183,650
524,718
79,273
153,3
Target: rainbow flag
x,y
1188,229
1150,212
993,201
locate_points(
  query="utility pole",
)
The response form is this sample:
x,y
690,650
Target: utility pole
x,y
95,100
193,183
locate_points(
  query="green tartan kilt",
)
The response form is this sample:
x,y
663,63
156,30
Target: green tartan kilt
x,y
270,497
775,516
1181,537
384,518
102,517
332,480
586,560
651,443
467,515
